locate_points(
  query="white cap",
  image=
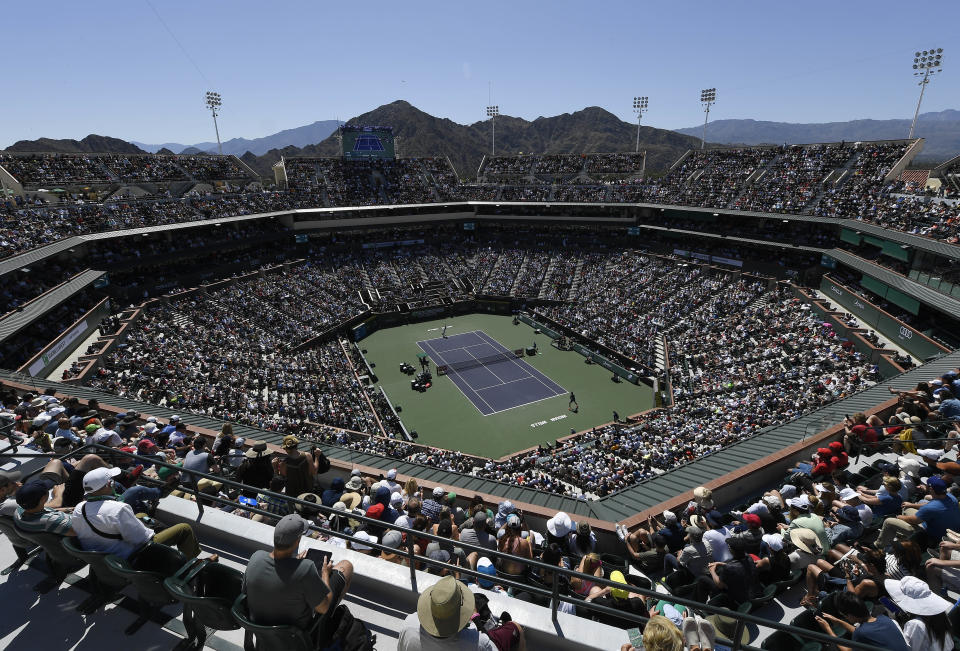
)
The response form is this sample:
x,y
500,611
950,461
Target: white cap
x,y
152,419
848,494
363,536
930,453
396,498
774,541
788,490
150,428
392,474
98,478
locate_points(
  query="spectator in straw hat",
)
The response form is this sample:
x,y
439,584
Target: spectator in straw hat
x,y
442,620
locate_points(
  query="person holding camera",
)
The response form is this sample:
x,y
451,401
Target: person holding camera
x,y
860,572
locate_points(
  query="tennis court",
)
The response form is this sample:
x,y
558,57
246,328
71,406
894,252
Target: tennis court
x,y
490,376
443,417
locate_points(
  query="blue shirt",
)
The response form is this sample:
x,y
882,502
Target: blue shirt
x,y
884,633
938,515
950,409
674,535
889,505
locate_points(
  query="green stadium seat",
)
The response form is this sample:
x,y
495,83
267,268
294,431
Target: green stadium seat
x,y
207,592
105,583
258,637
59,562
146,572
768,595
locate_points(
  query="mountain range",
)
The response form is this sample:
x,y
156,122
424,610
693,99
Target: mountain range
x,y
298,137
592,129
940,129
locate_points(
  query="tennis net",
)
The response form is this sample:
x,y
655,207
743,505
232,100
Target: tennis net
x,y
487,360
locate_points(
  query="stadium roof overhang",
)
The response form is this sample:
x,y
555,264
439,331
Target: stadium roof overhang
x,y
37,308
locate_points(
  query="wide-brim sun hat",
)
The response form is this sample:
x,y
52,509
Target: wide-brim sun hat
x,y
559,525
806,540
915,596
445,608
351,500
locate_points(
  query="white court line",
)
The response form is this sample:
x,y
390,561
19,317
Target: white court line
x,y
534,376
488,368
485,341
503,383
526,403
424,344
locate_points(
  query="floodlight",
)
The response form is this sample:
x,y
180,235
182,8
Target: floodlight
x,y
708,96
492,113
639,107
926,63
214,102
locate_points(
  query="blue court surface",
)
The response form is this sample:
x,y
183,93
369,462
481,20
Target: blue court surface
x,y
496,387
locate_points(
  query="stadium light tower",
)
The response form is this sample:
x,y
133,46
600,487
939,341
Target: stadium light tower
x,y
639,107
214,103
492,113
708,96
925,64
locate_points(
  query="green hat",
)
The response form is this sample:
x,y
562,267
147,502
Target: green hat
x,y
163,471
92,428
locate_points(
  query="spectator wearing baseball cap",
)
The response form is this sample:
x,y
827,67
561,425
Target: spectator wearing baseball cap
x,y
432,506
284,588
105,524
394,540
801,517
32,514
933,518
511,542
750,532
847,526
392,483
622,599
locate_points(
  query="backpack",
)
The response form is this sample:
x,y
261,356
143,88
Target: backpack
x,y
323,463
347,633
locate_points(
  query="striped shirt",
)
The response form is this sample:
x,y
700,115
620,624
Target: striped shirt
x,y
45,521
274,505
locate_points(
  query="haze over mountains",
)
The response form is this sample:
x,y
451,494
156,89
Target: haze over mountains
x,y
298,137
941,130
592,129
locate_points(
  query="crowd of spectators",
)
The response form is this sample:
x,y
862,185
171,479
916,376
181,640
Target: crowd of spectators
x,y
854,541
225,354
843,181
56,170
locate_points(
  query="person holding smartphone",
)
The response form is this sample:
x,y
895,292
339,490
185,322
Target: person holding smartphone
x,y
286,588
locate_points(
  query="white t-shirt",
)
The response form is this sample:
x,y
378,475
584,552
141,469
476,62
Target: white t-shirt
x,y
716,540
915,631
414,638
866,514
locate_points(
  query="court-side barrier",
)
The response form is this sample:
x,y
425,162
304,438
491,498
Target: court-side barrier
x,y
597,358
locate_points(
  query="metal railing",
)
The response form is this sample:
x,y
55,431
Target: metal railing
x,y
554,594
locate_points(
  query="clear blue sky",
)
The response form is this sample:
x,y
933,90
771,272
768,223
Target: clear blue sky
x,y
111,67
